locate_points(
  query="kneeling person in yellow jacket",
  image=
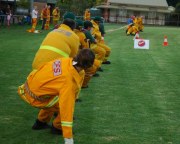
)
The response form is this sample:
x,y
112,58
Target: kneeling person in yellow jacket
x,y
100,40
85,44
100,52
53,88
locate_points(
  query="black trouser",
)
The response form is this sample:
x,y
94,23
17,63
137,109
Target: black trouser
x,y
43,23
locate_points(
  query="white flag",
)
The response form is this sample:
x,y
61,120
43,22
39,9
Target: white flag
x,y
141,44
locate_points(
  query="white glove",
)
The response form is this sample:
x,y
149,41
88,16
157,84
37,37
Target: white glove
x,y
68,141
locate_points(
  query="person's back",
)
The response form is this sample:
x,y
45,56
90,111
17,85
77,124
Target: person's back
x,y
79,32
61,42
53,79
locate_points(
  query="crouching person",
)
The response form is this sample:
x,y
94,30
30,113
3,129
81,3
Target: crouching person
x,y
53,88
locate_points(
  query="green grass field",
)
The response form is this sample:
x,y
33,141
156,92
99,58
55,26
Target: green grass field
x,y
136,100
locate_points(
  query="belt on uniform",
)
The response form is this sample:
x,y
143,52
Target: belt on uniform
x,y
32,94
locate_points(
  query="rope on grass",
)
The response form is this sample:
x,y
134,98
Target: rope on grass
x,y
112,30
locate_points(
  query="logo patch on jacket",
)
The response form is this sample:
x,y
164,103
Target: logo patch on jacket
x,y
57,68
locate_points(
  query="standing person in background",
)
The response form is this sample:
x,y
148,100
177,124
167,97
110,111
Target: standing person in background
x,y
56,16
48,18
44,16
9,14
87,15
34,19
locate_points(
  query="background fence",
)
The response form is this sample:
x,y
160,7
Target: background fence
x,y
168,20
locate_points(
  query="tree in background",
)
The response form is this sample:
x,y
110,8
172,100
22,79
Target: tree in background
x,y
172,2
23,3
77,6
177,10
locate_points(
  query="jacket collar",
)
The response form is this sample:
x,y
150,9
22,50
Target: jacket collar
x,y
65,26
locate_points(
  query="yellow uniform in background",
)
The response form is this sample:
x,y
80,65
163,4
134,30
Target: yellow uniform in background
x,y
43,13
48,18
136,25
61,42
132,28
44,16
97,34
82,38
87,15
56,16
53,88
140,23
34,20
92,70
99,52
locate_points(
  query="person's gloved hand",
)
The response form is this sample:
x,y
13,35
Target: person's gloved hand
x,y
68,141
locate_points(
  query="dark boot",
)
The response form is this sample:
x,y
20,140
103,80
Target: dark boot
x,y
100,69
78,100
38,125
84,87
56,131
106,62
96,75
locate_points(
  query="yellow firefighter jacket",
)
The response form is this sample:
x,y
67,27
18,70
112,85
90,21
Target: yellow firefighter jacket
x,y
61,42
95,31
56,14
56,81
82,38
44,13
48,14
87,15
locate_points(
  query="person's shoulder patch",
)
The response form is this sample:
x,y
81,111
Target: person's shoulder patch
x,y
57,67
